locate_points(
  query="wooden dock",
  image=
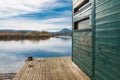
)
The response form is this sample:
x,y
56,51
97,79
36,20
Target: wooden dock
x,y
59,68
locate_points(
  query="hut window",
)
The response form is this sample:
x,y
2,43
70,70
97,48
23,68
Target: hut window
x,y
80,5
76,26
82,24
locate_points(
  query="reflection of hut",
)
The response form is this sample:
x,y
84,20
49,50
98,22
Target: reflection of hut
x,y
96,38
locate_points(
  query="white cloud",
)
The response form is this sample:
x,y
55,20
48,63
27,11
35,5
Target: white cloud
x,y
30,24
9,8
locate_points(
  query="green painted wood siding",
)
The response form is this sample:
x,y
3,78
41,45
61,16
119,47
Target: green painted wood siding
x,y
107,65
82,41
82,51
107,42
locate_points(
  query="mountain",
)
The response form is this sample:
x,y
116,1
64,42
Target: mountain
x,y
65,30
7,30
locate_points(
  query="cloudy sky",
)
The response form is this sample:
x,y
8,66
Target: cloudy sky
x,y
39,15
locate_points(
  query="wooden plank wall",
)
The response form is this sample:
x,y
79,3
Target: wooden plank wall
x,y
107,65
82,51
82,41
107,40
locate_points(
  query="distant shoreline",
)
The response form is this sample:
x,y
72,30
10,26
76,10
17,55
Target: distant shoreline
x,y
27,35
4,76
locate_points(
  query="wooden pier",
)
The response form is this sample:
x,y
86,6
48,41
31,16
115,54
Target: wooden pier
x,y
58,68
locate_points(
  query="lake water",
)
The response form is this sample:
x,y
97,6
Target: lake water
x,y
14,53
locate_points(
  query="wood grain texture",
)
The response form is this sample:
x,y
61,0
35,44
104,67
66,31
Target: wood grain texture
x,y
59,68
105,26
82,39
82,51
107,65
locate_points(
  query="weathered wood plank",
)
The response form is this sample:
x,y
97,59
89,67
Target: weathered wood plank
x,y
60,68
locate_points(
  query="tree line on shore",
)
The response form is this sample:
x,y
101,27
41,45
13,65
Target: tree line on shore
x,y
26,35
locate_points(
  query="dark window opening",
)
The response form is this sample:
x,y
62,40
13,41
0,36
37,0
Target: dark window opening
x,y
75,25
82,24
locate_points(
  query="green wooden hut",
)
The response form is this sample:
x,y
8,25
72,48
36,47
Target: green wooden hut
x,y
96,38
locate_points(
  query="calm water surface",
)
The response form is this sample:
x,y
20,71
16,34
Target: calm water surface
x,y
14,53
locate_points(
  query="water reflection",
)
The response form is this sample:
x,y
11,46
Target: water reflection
x,y
13,53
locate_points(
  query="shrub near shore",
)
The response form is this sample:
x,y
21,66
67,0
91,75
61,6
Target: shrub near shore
x,y
24,35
